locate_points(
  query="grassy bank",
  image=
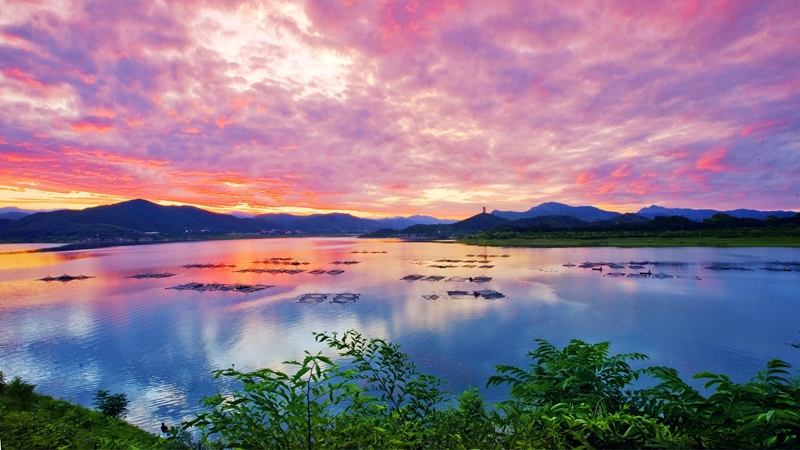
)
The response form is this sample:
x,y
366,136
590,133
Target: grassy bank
x,y
630,242
30,420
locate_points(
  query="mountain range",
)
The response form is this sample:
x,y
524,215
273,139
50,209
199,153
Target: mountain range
x,y
587,213
702,214
141,220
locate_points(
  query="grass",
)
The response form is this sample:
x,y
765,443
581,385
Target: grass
x,y
42,422
629,242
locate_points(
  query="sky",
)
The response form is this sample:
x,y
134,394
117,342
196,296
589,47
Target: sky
x,y
386,108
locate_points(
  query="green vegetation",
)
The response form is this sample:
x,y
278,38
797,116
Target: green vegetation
x,y
112,405
29,420
370,395
718,231
373,396
548,240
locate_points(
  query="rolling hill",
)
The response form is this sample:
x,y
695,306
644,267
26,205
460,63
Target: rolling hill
x,y
587,213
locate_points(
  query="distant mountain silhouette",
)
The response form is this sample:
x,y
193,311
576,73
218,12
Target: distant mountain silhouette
x,y
13,213
347,222
478,222
333,223
126,220
399,223
587,213
702,214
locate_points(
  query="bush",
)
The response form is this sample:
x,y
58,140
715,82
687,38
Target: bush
x,y
111,405
576,397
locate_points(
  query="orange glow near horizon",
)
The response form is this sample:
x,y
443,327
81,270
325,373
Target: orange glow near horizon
x,y
400,107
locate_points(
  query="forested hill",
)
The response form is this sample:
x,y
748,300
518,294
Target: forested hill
x,y
489,226
134,220
144,221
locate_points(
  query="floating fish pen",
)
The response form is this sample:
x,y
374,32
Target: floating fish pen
x,y
693,277
208,266
776,269
457,279
480,279
434,278
346,262
345,297
785,263
615,266
152,275
449,260
635,267
469,266
431,297
742,269
460,294
316,272
442,266
637,275
568,265
201,287
489,294
65,278
275,260
485,266
412,277
662,276
335,271
614,274
272,271
313,298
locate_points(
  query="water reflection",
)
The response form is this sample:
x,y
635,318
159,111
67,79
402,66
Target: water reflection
x,y
160,345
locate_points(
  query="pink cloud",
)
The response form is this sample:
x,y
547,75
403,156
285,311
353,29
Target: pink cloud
x,y
712,161
614,103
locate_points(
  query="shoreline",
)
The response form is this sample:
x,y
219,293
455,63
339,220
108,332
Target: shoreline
x,y
69,246
637,242
625,242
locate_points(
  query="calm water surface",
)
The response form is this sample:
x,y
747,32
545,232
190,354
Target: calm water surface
x,y
159,346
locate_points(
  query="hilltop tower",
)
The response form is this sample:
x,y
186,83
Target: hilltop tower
x,y
484,210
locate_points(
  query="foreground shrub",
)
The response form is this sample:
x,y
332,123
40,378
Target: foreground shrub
x,y
373,396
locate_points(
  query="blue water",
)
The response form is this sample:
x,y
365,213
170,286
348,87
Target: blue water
x,y
159,346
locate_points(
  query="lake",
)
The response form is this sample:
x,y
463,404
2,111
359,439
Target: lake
x,y
714,309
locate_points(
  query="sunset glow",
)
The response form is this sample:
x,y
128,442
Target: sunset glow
x,y
384,108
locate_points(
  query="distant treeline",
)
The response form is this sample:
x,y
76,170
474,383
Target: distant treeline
x,y
720,225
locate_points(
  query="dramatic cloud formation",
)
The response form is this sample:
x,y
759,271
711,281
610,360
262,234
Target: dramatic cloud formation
x,y
400,107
